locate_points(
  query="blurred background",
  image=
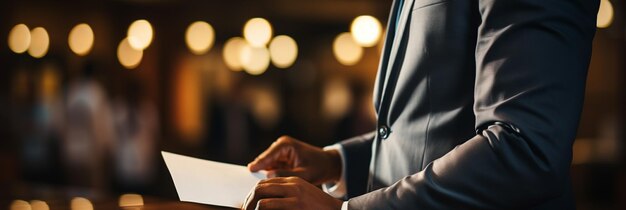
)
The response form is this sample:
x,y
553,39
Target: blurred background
x,y
92,91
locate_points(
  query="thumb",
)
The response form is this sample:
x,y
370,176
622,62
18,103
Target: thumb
x,y
281,149
266,160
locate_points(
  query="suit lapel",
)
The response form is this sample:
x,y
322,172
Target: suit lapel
x,y
390,48
406,10
382,96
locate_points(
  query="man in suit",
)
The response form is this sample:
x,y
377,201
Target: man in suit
x,y
477,101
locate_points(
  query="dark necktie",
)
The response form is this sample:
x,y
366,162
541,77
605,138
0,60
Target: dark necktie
x,y
399,13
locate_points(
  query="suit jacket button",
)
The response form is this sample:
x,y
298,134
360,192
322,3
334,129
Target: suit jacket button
x,y
383,132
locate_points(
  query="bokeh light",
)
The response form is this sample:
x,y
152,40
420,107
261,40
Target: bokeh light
x,y
605,14
39,205
188,109
80,203
346,50
49,81
283,51
39,43
127,55
140,34
19,38
232,53
258,32
127,200
337,99
20,205
366,30
255,60
265,106
199,37
81,39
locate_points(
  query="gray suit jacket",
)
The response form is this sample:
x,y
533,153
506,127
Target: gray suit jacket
x,y
478,103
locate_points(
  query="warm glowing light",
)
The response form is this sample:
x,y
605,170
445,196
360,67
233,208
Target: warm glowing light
x,y
39,42
346,50
258,32
232,53
199,37
128,200
283,51
265,106
80,203
19,38
605,14
20,205
128,56
337,99
366,30
140,34
255,60
187,104
81,39
49,82
39,205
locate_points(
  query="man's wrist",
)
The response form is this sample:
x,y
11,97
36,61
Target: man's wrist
x,y
336,187
338,204
334,159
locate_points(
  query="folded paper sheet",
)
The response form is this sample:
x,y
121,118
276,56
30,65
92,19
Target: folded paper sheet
x,y
210,182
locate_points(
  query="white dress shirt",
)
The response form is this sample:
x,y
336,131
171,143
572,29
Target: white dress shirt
x,y
337,189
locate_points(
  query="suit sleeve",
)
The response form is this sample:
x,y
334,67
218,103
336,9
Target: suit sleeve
x,y
357,153
531,64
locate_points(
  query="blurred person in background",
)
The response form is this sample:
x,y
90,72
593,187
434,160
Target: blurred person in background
x,y
88,132
45,121
477,101
134,149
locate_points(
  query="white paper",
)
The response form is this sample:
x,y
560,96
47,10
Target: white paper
x,y
210,182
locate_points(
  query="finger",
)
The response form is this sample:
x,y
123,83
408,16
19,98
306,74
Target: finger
x,y
291,179
277,203
273,180
273,156
247,201
280,148
269,190
298,172
273,190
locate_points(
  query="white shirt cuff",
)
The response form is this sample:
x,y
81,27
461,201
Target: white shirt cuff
x,y
337,189
344,206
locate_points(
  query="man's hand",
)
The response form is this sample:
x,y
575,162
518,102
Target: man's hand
x,y
290,157
289,193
